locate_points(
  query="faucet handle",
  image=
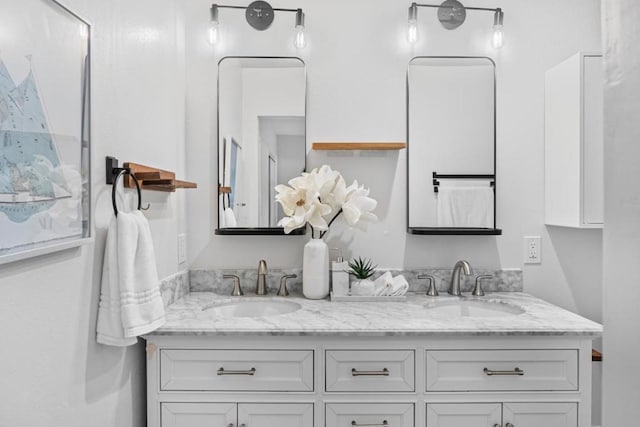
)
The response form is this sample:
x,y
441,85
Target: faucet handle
x,y
237,290
432,291
477,289
283,291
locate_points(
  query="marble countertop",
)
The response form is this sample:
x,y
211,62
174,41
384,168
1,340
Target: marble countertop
x,y
195,314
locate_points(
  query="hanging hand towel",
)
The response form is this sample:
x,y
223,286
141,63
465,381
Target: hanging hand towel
x,y
470,207
130,300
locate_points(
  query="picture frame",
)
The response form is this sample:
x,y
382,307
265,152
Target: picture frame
x,y
45,129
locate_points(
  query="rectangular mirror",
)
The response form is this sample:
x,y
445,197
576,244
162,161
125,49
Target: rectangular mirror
x,y
451,145
261,139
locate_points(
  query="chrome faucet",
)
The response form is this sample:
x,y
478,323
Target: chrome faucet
x,y
454,288
261,284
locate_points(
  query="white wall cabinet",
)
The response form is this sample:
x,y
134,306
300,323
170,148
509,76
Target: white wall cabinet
x,y
351,381
554,414
574,162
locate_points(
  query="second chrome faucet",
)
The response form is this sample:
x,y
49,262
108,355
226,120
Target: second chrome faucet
x,y
261,284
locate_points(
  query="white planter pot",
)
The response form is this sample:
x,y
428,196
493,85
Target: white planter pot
x,y
315,269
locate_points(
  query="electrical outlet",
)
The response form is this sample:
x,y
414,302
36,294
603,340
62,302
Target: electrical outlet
x,y
182,248
532,252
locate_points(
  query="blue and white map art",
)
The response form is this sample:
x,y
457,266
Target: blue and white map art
x,y
43,176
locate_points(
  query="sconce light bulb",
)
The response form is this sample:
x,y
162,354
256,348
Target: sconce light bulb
x,y
498,36
412,31
214,33
300,40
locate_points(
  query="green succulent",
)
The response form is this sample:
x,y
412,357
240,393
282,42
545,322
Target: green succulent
x,y
362,268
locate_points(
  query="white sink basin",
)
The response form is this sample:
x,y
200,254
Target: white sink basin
x,y
255,308
473,308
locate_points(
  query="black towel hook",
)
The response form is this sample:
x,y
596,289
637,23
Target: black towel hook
x,y
118,172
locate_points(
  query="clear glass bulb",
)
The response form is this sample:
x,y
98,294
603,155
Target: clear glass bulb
x,y
300,40
412,31
498,36
214,33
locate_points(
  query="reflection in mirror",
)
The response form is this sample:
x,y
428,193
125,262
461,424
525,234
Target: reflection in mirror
x,y
261,139
451,140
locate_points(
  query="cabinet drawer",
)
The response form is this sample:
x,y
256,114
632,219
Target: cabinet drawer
x,y
236,370
369,414
501,370
369,370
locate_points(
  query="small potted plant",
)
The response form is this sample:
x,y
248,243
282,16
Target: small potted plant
x,y
362,269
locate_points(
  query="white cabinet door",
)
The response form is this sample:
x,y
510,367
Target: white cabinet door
x,y
465,415
275,414
540,414
369,414
198,414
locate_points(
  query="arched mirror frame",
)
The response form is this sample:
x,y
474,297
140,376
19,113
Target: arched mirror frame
x,y
255,231
451,230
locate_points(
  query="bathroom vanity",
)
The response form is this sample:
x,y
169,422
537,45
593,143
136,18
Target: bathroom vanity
x,y
503,360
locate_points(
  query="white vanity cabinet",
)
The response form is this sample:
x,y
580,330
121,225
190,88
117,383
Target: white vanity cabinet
x,y
574,150
350,381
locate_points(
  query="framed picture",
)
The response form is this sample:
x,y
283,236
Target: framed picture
x,y
45,201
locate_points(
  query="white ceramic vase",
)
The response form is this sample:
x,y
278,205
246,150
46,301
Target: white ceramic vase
x,y
315,269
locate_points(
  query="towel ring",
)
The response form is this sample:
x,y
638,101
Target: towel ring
x,y
114,188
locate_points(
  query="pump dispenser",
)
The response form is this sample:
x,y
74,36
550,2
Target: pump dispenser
x,y
340,275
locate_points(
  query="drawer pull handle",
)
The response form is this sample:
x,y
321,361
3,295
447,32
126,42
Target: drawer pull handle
x,y
385,423
509,425
516,371
496,425
356,373
251,372
230,425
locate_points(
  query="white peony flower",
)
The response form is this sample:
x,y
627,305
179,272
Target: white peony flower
x,y
320,195
358,205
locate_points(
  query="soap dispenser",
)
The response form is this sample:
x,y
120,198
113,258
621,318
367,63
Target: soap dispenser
x,y
340,275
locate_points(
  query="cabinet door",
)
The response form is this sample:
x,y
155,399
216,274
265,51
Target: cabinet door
x,y
275,414
465,415
198,415
592,137
540,414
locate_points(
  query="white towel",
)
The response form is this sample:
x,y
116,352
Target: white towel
x,y
229,218
130,300
470,207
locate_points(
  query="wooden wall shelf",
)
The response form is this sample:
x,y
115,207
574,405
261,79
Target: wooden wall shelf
x,y
327,146
154,179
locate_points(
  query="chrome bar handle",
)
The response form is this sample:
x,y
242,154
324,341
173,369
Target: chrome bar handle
x,y
509,425
383,373
385,423
250,372
496,425
516,371
230,425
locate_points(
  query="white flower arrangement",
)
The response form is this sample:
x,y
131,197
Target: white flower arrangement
x,y
318,197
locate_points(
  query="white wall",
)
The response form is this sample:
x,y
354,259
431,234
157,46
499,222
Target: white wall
x,y
54,374
622,212
356,60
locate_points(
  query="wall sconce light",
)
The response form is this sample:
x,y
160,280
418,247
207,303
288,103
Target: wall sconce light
x,y
260,15
452,14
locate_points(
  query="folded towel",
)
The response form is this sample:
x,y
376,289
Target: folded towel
x,y
470,207
229,218
382,283
399,286
130,300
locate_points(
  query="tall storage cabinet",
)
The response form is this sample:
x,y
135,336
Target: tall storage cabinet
x,y
574,187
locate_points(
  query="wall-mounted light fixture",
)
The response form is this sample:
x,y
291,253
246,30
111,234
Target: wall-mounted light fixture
x,y
260,15
452,14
